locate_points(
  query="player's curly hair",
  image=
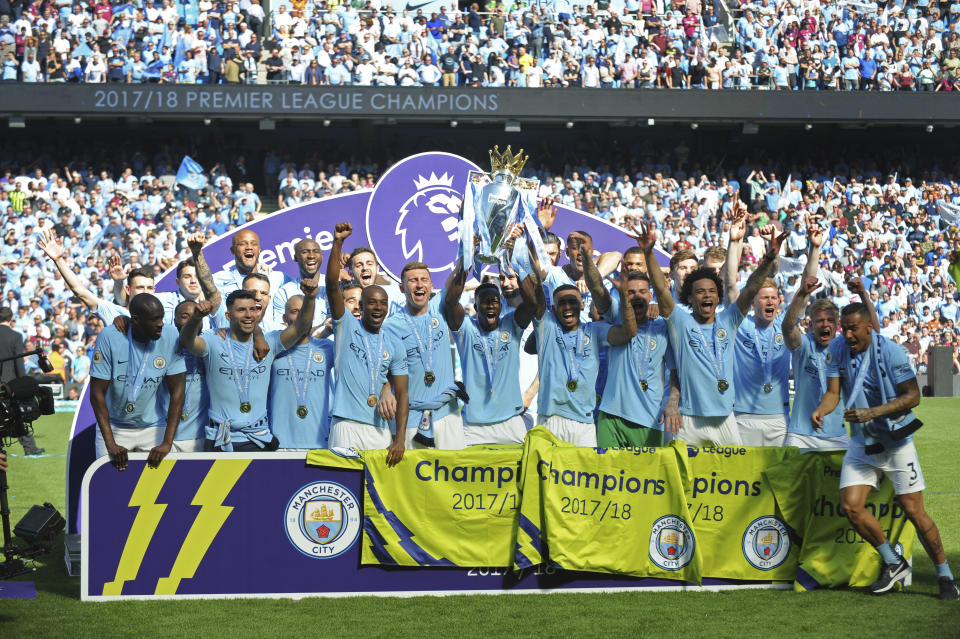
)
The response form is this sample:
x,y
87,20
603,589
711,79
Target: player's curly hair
x,y
701,273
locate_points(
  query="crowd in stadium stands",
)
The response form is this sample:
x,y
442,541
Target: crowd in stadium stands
x,y
767,44
892,230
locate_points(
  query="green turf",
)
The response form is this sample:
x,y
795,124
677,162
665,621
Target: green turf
x,y
58,612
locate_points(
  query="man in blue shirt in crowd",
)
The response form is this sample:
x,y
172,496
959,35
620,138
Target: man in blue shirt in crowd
x,y
881,390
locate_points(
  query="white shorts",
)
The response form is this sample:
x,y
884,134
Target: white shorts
x,y
447,433
188,446
574,432
511,431
696,429
761,430
135,440
811,442
900,465
348,434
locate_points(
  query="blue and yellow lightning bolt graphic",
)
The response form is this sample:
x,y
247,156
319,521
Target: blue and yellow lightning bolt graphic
x,y
220,480
144,525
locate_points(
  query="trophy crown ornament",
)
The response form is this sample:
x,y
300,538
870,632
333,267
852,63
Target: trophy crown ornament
x,y
507,160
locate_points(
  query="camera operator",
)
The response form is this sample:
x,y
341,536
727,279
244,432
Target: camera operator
x,y
11,343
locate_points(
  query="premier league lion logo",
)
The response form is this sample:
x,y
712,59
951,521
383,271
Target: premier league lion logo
x,y
414,212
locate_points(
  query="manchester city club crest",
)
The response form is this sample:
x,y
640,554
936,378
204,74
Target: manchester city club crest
x,y
778,339
671,543
435,323
417,198
97,356
318,357
322,519
721,333
504,336
159,362
766,543
653,344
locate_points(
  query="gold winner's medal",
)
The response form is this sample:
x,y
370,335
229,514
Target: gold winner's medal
x,y
245,407
372,401
429,378
723,385
571,385
643,385
302,412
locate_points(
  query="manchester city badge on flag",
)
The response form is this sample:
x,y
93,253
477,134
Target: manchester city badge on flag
x,y
322,520
190,174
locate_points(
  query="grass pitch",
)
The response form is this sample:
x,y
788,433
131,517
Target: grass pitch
x,y
58,612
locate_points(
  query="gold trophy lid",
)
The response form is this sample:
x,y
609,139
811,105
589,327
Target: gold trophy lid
x,y
507,161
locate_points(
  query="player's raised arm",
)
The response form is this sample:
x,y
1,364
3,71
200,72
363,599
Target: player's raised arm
x,y
738,228
210,291
594,280
453,310
762,272
622,334
855,284
791,332
190,333
304,324
334,295
49,243
646,239
531,287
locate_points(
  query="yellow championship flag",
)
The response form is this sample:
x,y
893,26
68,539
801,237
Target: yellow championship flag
x,y
441,508
580,504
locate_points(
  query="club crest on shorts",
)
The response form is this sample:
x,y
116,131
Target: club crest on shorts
x,y
97,356
766,543
322,519
417,201
159,362
671,543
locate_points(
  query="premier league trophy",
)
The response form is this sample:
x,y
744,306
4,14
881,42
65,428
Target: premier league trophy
x,y
493,204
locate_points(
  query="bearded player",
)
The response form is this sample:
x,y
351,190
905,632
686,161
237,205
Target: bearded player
x,y
881,392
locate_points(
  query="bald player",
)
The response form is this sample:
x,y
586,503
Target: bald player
x,y
308,256
245,246
364,354
125,377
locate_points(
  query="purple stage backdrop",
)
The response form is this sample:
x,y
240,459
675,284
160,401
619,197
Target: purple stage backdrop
x,y
229,525
410,215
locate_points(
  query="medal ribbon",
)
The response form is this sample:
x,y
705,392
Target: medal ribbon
x,y
428,365
302,394
766,359
716,357
644,349
818,360
244,388
490,354
133,387
574,358
860,378
373,363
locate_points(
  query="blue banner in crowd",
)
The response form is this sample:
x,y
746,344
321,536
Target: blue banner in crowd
x,y
190,174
